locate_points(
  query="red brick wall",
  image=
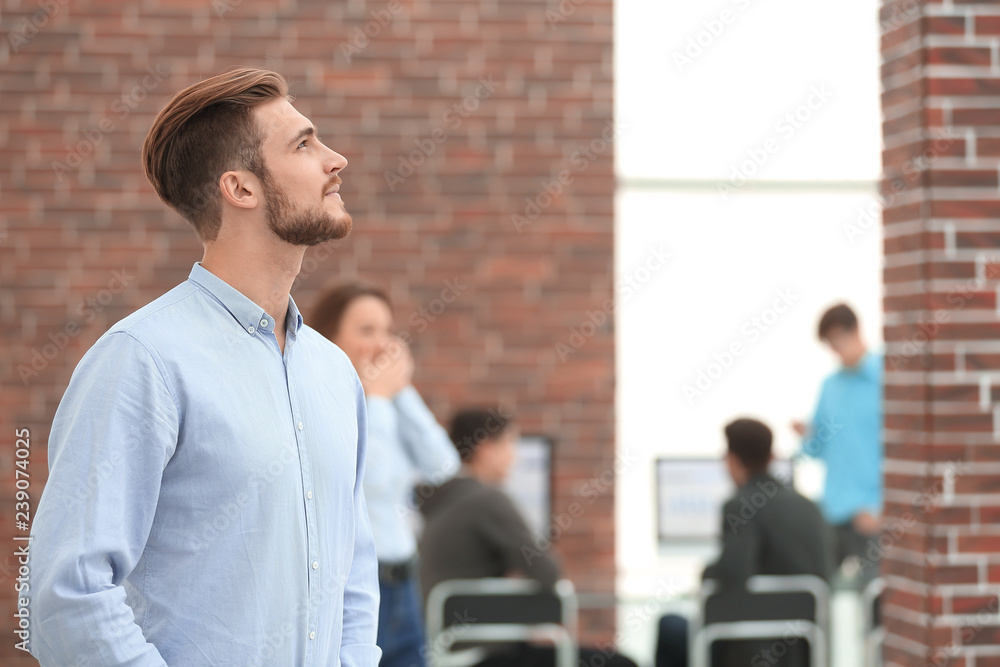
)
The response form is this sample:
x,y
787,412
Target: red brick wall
x,y
942,248
473,130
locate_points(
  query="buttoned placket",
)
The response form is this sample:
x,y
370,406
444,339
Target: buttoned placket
x,y
314,571
265,328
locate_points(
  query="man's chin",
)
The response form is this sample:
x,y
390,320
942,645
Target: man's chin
x,y
335,230
342,228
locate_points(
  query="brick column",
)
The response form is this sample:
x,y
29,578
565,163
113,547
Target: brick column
x,y
941,81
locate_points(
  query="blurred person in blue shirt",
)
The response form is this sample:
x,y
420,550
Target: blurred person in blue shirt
x,y
204,505
406,445
846,434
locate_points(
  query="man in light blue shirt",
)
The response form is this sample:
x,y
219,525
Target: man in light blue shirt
x,y
846,434
204,505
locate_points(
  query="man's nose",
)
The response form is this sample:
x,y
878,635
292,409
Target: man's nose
x,y
335,162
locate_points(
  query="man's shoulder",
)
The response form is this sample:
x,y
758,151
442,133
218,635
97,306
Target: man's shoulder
x,y
160,314
473,491
495,497
764,492
793,506
136,343
834,378
875,364
445,503
150,326
466,492
871,365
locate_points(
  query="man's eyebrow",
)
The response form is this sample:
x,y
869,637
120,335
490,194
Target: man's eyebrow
x,y
302,134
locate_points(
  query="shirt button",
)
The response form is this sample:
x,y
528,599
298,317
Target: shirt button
x,y
315,564
312,635
309,495
263,323
300,426
249,329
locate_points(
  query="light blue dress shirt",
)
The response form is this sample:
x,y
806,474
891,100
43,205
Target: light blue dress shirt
x,y
405,443
204,505
846,434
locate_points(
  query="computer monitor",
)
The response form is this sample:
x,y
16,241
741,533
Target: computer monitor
x,y
530,481
690,495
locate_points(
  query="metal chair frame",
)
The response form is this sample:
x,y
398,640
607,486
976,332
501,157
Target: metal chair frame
x,y
816,632
874,635
562,632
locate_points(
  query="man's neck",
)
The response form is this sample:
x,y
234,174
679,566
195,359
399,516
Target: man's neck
x,y
473,472
263,277
857,364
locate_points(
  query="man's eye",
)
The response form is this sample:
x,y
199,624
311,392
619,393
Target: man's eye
x,y
303,143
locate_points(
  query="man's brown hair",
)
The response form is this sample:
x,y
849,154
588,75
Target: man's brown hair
x,y
471,427
206,130
840,316
333,303
750,441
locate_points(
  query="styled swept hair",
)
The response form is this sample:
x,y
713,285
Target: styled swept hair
x,y
206,130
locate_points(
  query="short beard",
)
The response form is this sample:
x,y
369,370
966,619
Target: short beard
x,y
308,227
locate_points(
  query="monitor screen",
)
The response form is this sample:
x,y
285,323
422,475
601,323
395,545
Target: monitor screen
x,y
530,481
691,493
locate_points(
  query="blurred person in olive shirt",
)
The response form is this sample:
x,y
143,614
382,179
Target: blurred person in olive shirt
x,y
767,528
473,530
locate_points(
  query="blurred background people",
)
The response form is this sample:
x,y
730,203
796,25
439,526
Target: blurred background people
x,y
846,434
767,528
405,444
473,530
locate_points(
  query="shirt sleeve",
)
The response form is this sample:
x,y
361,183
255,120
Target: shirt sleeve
x,y
741,545
382,447
508,535
426,442
875,501
113,433
361,593
816,438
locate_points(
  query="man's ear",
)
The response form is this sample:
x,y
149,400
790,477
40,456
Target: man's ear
x,y
240,189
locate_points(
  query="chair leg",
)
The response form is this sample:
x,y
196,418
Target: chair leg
x,y
566,652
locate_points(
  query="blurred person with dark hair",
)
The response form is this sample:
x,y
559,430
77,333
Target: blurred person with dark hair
x,y
405,443
846,434
473,529
204,503
767,528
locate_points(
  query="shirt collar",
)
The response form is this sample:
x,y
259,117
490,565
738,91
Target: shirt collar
x,y
758,478
251,317
870,366
293,321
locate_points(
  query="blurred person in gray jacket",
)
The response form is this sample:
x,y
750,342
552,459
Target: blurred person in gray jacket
x,y
473,530
405,445
767,528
